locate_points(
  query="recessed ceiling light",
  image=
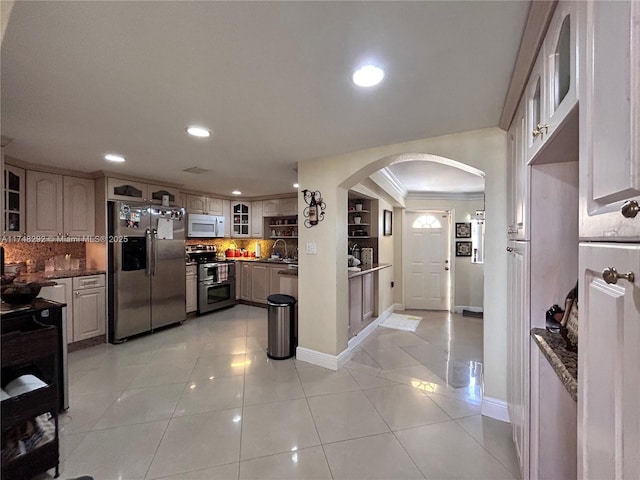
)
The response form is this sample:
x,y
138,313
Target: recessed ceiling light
x,y
368,76
237,192
111,157
199,132
295,185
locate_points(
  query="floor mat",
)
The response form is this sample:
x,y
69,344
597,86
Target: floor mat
x,y
408,323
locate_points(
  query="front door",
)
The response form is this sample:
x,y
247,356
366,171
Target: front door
x,y
426,264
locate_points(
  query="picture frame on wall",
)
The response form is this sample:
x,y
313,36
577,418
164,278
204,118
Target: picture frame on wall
x,y
387,223
463,249
463,230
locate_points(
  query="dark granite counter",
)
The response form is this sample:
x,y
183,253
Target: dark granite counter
x,y
563,362
44,277
290,272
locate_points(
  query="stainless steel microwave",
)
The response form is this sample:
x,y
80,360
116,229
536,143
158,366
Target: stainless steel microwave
x,y
205,226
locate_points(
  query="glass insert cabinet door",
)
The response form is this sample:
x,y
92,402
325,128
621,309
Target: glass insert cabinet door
x,y
13,195
240,221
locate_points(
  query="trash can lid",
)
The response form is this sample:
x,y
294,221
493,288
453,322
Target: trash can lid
x,y
280,300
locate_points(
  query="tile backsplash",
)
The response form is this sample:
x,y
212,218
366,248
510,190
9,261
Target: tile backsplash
x,y
41,251
266,246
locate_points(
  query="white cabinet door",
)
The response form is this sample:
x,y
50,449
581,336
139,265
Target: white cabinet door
x,y
259,282
226,212
214,206
561,66
88,313
271,208
534,133
79,206
608,361
518,331
274,278
44,204
245,281
288,206
257,223
609,119
126,190
519,178
14,212
196,204
156,192
62,292
192,290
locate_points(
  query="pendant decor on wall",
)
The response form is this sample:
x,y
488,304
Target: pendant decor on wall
x,y
314,213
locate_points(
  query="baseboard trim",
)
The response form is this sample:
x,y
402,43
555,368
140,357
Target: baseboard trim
x,y
398,307
495,408
336,362
460,308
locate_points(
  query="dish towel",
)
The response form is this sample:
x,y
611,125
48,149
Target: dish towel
x,y
223,272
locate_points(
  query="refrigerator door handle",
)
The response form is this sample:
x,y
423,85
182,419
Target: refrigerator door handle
x,y
147,269
155,250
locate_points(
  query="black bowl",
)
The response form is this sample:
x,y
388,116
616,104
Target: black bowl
x,y
20,293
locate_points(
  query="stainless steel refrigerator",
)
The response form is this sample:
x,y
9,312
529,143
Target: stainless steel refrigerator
x,y
147,270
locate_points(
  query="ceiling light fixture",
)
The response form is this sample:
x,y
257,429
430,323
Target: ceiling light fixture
x,y
112,157
368,76
236,192
296,185
199,132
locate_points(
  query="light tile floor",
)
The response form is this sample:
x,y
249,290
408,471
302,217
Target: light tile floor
x,y
203,401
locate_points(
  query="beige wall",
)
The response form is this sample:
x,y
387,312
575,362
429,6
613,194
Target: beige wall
x,y
468,277
323,312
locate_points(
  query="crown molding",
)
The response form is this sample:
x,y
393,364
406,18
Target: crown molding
x,y
445,196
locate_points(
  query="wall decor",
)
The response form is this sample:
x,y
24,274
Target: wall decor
x,y
387,223
463,230
463,249
314,213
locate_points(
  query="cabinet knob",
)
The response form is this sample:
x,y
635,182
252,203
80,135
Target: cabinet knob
x,y
77,293
630,209
611,275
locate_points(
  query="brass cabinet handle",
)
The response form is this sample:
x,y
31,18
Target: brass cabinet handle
x,y
611,275
630,209
538,130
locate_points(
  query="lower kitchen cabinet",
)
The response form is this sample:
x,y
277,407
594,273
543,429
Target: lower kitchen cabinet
x,y
361,302
192,288
259,280
89,307
86,305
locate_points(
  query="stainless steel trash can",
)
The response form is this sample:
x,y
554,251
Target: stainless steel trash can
x,y
281,336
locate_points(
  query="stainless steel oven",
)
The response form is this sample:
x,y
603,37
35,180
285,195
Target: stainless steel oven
x,y
216,286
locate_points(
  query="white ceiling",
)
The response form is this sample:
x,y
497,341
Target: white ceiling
x,y
271,79
420,176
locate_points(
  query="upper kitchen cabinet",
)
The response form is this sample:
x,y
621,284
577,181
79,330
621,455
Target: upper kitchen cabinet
x,y
257,225
240,219
226,212
519,180
156,192
44,204
610,120
13,189
204,205
60,205
552,92
126,190
78,206
214,206
280,207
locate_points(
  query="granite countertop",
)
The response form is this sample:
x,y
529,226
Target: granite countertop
x,y
563,362
44,277
373,268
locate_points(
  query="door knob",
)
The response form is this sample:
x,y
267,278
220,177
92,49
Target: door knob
x,y
630,209
611,275
446,268
509,249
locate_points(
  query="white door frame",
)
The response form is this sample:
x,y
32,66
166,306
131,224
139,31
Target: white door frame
x,y
405,235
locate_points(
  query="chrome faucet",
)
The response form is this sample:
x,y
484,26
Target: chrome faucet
x,y
273,249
